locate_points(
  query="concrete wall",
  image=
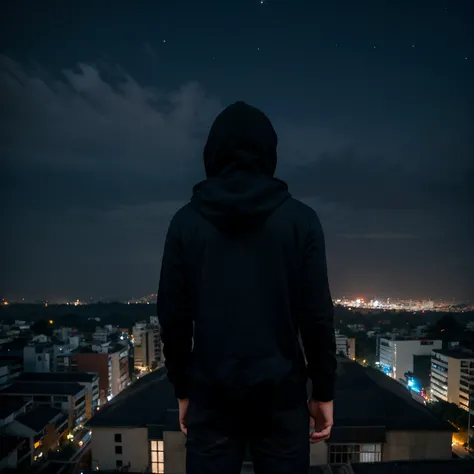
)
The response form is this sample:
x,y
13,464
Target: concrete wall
x,y
135,448
175,452
417,445
404,352
454,376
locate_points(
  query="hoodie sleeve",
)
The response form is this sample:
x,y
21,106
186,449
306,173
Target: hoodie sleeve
x,y
174,312
316,316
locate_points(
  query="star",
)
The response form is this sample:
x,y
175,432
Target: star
x,y
164,41
412,45
258,49
375,46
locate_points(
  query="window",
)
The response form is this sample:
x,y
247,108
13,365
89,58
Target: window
x,y
344,453
118,437
157,457
118,463
118,449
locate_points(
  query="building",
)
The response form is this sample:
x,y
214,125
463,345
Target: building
x,y
42,426
139,429
15,453
69,398
108,360
9,371
452,376
396,354
11,407
351,348
37,358
376,420
61,352
345,346
89,380
146,346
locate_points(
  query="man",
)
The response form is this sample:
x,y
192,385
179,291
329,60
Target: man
x,y
243,276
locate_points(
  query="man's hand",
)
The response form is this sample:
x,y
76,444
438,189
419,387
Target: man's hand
x,y
321,419
183,410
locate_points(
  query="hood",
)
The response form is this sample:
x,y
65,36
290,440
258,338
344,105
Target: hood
x,y
240,158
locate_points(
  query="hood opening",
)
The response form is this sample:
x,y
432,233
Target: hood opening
x,y
240,159
242,137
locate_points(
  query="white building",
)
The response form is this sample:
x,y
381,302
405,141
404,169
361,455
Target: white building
x,y
396,355
345,346
452,376
146,346
88,380
141,430
37,358
70,398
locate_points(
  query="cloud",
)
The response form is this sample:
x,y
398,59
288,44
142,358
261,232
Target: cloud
x,y
82,139
94,138
94,164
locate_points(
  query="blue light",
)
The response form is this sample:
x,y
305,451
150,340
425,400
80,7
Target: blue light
x,y
411,383
386,370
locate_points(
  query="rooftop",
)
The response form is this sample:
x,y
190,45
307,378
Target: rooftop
x,y
456,353
42,388
8,444
408,338
58,377
39,417
114,347
9,405
145,403
365,398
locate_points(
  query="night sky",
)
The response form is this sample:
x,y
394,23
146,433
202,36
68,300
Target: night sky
x,y
105,107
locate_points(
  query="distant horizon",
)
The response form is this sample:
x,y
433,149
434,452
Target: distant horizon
x,y
122,299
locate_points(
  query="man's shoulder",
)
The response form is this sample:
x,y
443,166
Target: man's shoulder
x,y
300,209
182,214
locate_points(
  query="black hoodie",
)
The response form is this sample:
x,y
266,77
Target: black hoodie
x,y
243,275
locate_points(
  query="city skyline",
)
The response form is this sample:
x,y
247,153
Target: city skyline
x,y
104,120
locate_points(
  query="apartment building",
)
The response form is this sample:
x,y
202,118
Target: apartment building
x,y
89,380
395,355
43,427
345,346
452,376
69,398
108,360
146,346
9,370
376,420
38,358
15,453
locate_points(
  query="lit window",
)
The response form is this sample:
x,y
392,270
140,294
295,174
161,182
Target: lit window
x,y
157,457
346,453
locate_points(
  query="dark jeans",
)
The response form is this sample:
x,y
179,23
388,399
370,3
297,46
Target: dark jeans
x,y
278,439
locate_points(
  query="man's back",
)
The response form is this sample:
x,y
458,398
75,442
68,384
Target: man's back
x,y
243,274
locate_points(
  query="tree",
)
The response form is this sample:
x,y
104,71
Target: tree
x,y
42,326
